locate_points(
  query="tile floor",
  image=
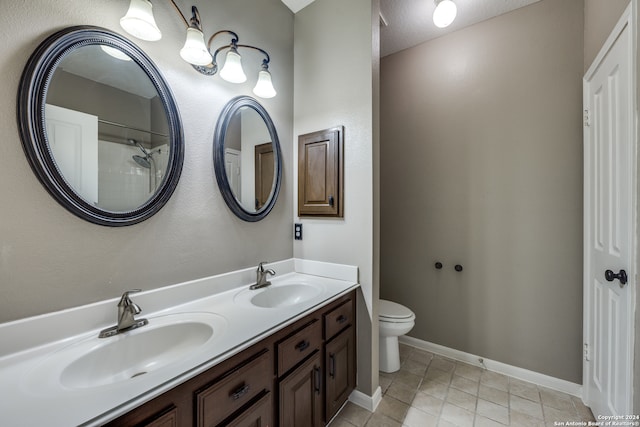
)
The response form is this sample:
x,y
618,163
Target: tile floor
x,y
430,390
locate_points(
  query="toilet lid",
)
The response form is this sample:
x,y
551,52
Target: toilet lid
x,y
392,310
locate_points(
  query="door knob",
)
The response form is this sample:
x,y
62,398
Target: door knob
x,y
621,276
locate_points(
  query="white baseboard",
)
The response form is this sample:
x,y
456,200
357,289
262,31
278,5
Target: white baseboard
x,y
370,403
499,367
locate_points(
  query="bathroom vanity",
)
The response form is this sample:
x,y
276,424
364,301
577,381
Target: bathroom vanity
x,y
214,353
300,376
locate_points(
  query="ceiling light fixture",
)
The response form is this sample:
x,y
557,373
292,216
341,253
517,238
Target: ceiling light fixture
x,y
139,22
445,13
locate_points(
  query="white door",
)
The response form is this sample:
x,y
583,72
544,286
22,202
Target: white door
x,y
232,167
609,203
73,138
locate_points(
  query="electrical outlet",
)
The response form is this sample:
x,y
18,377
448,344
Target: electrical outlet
x,y
297,231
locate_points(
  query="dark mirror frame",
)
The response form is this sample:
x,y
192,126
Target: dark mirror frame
x,y
32,95
222,125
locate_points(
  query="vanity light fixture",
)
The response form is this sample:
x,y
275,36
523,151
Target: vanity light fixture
x,y
139,21
445,13
196,52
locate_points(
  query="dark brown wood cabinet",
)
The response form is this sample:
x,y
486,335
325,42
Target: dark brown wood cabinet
x,y
217,401
339,355
168,418
301,395
264,173
340,371
321,173
299,376
260,414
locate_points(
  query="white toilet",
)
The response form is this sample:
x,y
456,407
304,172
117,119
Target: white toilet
x,y
394,320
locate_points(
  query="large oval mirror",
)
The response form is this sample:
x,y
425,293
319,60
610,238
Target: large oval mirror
x,y
100,126
247,158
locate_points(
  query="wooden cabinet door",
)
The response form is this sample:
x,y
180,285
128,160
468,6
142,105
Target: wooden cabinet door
x,y
264,173
320,173
301,395
340,372
168,419
258,415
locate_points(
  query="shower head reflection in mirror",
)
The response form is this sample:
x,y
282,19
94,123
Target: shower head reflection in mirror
x,y
148,162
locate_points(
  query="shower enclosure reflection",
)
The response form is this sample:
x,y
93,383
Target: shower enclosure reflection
x,y
107,129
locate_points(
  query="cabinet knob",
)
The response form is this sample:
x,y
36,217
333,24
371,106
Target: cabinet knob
x,y
240,392
317,380
332,365
302,345
458,267
438,265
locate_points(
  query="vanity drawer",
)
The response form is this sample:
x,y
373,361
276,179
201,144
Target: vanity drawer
x,y
338,319
298,346
233,390
260,414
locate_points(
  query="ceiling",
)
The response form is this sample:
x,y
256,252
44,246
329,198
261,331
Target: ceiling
x,y
409,23
296,5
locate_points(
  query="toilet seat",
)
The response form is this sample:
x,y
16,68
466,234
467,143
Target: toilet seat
x,y
392,312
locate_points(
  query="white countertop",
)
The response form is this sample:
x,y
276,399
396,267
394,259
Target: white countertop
x,y
32,393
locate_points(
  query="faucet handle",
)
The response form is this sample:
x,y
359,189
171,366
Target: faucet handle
x,y
261,265
125,300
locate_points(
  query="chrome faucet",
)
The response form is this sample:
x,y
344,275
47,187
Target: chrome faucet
x,y
261,277
127,310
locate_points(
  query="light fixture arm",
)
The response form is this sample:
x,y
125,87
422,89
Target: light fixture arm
x,y
194,22
265,61
234,36
195,19
186,23
233,45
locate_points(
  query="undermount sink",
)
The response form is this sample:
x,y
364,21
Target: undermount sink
x,y
285,295
98,362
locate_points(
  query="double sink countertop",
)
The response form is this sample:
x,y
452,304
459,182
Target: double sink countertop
x,y
54,370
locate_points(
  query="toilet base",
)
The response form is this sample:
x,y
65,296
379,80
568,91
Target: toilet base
x,y
389,354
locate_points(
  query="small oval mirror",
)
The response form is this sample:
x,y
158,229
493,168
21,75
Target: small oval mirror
x,y
99,126
247,158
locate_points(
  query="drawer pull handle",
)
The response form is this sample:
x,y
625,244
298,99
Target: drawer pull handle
x,y
341,319
240,392
316,379
332,365
302,345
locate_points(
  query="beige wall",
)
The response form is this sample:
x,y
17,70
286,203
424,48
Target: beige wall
x,y
600,16
49,258
481,148
334,86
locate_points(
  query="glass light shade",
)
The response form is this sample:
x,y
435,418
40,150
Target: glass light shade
x,y
118,54
445,13
264,87
194,50
232,70
139,21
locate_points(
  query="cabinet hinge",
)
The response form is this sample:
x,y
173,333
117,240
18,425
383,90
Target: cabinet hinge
x,y
586,352
586,118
